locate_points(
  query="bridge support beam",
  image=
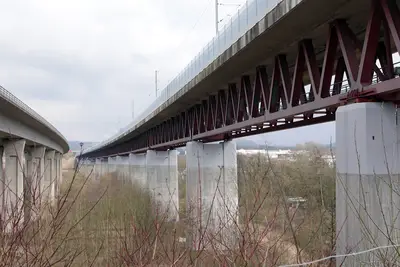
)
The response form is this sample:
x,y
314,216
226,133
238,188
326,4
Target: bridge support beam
x,y
118,167
104,166
13,184
33,181
162,178
125,168
123,171
49,176
137,169
97,168
112,164
58,175
212,193
367,191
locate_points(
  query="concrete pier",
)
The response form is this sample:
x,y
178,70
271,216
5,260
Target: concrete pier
x,y
112,164
33,180
97,168
49,176
13,183
137,169
118,166
212,193
104,169
123,168
126,168
57,170
162,181
367,186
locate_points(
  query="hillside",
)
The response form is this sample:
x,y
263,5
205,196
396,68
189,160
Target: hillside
x,y
75,145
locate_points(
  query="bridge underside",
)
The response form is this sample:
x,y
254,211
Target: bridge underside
x,y
339,62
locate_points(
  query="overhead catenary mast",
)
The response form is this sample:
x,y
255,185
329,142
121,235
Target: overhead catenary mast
x,y
217,20
216,17
156,81
133,109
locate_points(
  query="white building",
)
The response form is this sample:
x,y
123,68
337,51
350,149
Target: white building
x,y
285,154
272,154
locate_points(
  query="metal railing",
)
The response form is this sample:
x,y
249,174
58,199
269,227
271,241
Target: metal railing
x,y
245,18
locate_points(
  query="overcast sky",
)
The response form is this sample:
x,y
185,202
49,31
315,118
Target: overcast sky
x,y
80,63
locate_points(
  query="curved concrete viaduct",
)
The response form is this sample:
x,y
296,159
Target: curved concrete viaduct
x,y
31,152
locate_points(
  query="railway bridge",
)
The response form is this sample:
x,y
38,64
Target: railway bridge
x,y
277,65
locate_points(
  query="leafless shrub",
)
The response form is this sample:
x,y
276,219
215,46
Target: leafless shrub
x,y
112,222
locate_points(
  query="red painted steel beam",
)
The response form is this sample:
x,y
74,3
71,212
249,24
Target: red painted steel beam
x,y
274,97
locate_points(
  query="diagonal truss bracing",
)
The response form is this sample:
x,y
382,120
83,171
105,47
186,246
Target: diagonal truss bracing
x,y
279,96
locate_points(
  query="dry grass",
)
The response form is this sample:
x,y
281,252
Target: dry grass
x,y
110,222
125,229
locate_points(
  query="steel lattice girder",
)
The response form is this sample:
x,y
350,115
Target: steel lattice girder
x,y
275,98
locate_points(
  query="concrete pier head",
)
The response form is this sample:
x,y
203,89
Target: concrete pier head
x,y
212,193
367,185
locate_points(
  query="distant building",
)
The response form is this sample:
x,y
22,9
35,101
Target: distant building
x,y
272,154
283,154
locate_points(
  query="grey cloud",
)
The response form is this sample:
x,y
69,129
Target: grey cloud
x,y
81,63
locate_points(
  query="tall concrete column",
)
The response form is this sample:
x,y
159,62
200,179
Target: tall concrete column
x,y
104,166
112,164
33,179
58,178
97,169
125,168
137,170
118,167
2,187
122,168
13,182
49,176
162,177
212,193
367,183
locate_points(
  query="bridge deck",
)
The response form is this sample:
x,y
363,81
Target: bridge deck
x,y
18,121
277,33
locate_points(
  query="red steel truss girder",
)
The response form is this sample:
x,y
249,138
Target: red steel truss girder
x,y
275,98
